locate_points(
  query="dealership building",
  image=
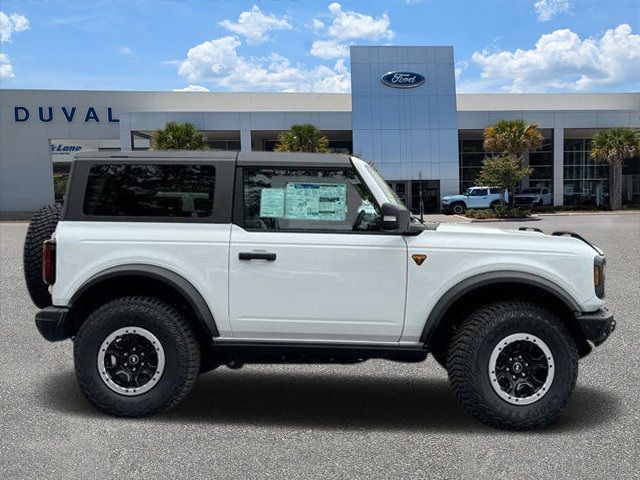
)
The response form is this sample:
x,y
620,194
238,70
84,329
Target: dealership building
x,y
403,115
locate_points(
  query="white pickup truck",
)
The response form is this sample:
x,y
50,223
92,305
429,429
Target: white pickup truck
x,y
162,265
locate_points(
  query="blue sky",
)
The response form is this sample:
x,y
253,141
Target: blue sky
x,y
499,46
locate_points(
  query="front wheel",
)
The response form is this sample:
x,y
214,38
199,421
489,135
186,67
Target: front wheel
x,y
513,365
136,356
458,208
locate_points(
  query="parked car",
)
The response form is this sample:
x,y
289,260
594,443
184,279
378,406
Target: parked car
x,y
474,197
533,196
163,265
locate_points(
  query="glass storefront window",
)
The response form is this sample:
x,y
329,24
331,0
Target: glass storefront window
x,y
472,154
224,145
586,181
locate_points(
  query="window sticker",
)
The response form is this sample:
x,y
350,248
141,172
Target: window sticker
x,y
315,201
272,203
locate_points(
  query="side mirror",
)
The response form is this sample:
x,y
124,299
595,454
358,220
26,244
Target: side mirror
x,y
395,218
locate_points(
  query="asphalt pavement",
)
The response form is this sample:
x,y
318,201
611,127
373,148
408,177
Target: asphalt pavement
x,y
374,420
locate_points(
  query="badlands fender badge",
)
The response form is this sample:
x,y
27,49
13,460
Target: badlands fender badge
x,y
419,258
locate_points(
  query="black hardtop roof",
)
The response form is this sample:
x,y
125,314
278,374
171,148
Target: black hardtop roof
x,y
242,158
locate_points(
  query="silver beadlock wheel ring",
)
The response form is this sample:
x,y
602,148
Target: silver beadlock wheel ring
x,y
521,369
131,361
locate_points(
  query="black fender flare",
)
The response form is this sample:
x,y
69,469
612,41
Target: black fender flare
x,y
469,284
173,280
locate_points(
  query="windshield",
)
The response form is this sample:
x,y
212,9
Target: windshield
x,y
392,197
530,190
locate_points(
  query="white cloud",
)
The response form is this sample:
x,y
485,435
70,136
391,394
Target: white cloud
x,y
6,70
219,62
10,24
561,60
345,26
211,59
192,88
254,25
328,49
547,9
317,25
460,67
125,51
351,25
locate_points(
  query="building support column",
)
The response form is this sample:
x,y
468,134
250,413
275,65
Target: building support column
x,y
245,140
558,166
126,141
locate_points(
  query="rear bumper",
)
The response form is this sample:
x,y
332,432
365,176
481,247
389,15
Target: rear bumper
x,y
52,323
598,325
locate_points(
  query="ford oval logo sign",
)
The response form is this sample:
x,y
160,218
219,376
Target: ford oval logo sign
x,y
401,79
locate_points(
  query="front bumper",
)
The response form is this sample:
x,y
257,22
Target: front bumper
x,y
52,323
598,325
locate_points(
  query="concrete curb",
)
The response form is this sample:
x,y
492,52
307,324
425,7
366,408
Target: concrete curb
x,y
533,218
568,214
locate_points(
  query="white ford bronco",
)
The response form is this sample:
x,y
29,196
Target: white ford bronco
x,y
163,265
473,197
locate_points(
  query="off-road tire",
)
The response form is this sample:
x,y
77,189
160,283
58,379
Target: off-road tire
x,y
494,206
182,355
42,226
458,208
468,363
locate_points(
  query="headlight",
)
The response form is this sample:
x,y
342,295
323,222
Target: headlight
x,y
445,200
598,275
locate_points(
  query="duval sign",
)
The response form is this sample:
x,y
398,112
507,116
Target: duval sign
x,y
47,114
403,79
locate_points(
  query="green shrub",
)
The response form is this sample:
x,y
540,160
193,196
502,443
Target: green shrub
x,y
480,214
516,212
499,212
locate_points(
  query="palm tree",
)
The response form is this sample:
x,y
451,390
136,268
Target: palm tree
x,y
178,136
302,138
514,139
614,146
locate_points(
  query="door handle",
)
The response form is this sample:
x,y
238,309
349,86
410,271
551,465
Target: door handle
x,y
270,257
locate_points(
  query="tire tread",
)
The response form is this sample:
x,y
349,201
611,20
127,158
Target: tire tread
x,y
41,227
180,329
461,366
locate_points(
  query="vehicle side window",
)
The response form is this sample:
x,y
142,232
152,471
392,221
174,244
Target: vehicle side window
x,y
494,191
545,191
150,190
307,199
478,192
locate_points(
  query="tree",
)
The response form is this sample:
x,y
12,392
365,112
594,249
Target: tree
x,y
302,138
178,136
614,146
504,172
513,139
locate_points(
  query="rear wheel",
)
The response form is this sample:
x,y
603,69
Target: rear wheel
x,y
136,356
42,226
458,208
513,365
494,206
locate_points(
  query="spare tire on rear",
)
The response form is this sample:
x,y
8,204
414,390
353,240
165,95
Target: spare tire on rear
x,y
41,228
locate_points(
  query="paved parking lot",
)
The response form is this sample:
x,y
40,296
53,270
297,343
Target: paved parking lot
x,y
375,420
